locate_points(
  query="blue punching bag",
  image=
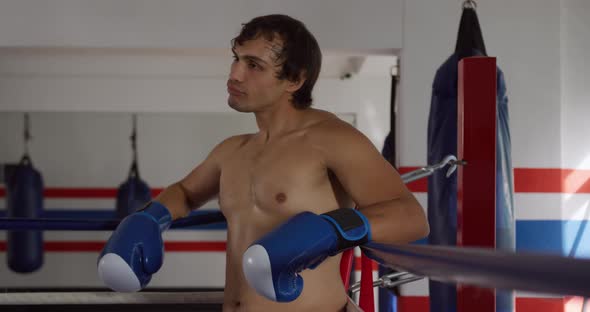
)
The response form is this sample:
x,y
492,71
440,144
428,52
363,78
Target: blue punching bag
x,y
442,191
134,193
24,199
505,222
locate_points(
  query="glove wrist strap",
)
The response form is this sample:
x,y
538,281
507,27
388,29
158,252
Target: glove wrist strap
x,y
159,213
352,227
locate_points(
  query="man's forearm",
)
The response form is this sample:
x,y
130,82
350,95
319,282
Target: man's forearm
x,y
396,221
176,200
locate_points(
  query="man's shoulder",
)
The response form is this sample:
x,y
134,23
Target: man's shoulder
x,y
231,145
330,126
338,142
320,120
237,140
333,136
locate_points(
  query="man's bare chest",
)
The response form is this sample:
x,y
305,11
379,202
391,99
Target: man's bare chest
x,y
270,176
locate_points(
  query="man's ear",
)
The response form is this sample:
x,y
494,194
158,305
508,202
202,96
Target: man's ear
x,y
293,86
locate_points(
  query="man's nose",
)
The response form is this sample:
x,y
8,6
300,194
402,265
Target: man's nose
x,y
236,72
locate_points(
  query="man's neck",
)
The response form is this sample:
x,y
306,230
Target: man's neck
x,y
279,119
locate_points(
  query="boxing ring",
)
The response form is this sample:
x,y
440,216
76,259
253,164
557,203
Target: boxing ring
x,y
474,266
467,265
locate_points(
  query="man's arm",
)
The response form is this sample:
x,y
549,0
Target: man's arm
x,y
199,186
135,250
394,214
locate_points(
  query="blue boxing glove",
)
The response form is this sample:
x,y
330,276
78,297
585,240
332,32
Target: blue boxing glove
x,y
272,263
135,250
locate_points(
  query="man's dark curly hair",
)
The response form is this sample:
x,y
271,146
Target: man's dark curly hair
x,y
300,54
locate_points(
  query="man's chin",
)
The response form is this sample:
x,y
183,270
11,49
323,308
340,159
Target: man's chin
x,y
237,107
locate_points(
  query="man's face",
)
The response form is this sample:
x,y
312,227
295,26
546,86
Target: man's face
x,y
253,85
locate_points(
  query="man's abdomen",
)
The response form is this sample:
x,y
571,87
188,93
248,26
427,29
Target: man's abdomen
x,y
323,291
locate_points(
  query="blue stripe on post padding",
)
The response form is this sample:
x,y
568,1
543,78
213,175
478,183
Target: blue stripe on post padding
x,y
569,238
108,214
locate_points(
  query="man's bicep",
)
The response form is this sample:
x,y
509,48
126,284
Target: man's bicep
x,y
202,183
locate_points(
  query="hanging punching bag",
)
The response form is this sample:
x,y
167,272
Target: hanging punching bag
x,y
132,194
442,140
24,199
505,222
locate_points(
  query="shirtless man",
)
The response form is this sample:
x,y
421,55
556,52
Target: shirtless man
x,y
301,159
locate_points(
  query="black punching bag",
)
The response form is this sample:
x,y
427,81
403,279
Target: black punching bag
x,y
24,199
134,193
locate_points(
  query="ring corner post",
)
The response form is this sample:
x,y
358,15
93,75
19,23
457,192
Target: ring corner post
x,y
476,144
